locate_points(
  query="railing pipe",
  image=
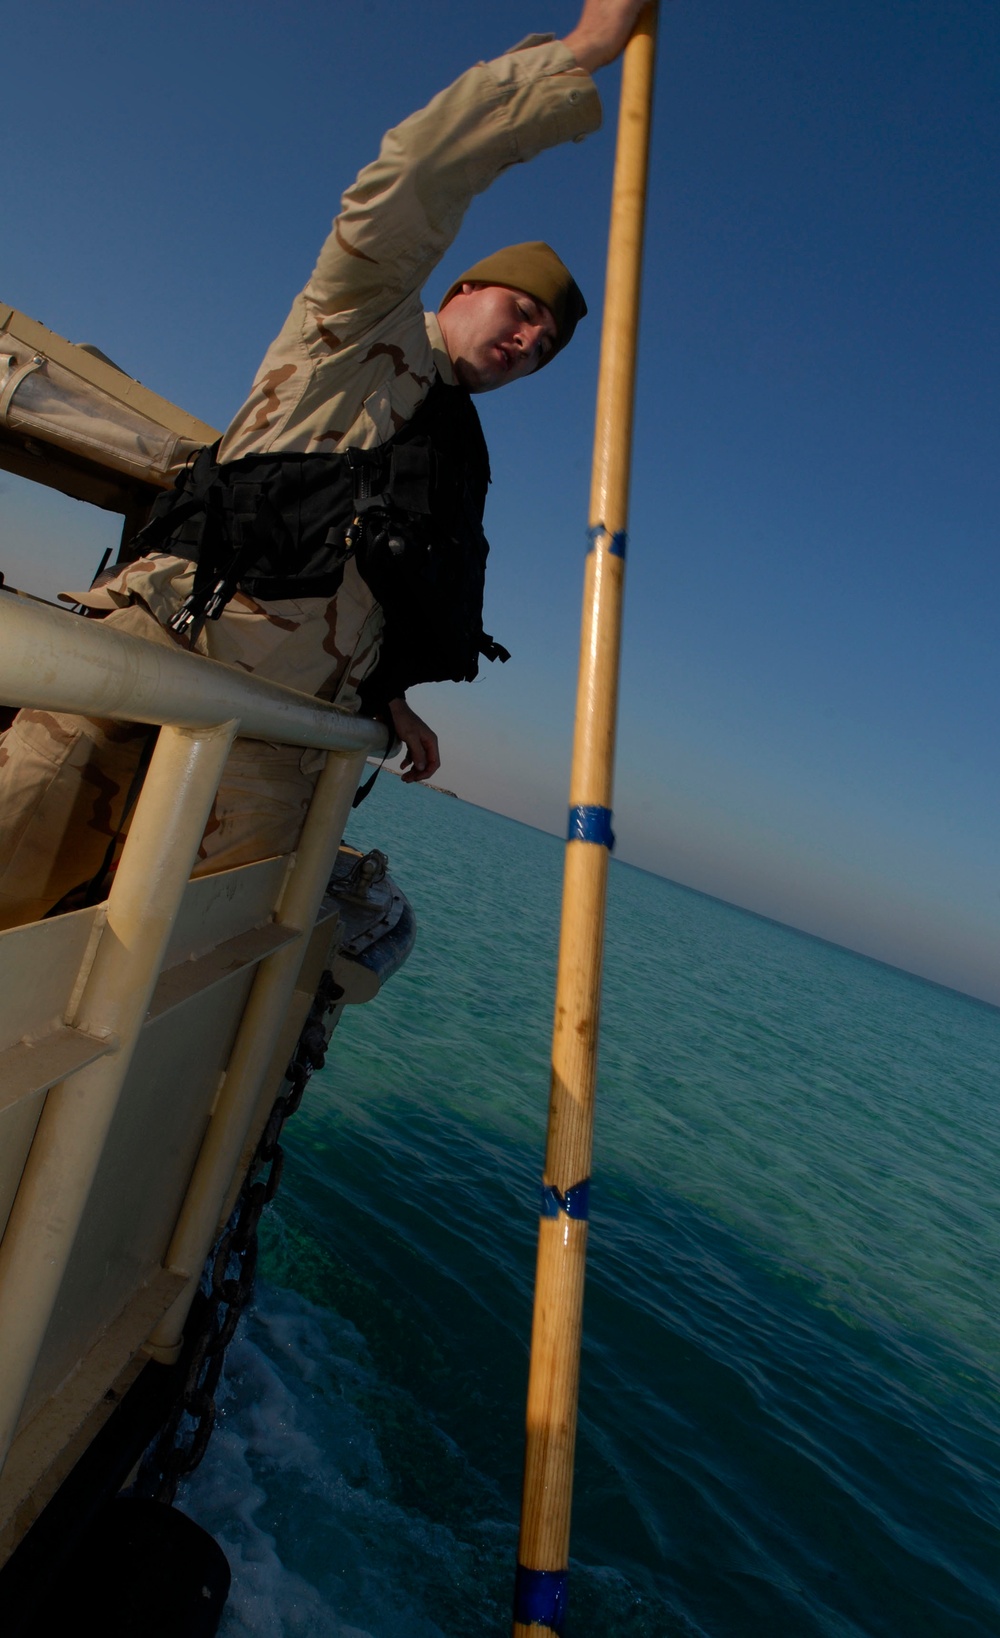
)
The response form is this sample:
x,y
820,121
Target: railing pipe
x,y
163,842
543,1555
58,662
261,1024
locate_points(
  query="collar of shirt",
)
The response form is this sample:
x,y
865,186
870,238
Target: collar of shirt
x,y
442,363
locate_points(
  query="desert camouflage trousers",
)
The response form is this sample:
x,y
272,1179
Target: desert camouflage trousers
x,y
65,780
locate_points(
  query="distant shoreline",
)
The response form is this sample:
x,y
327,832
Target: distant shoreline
x,y
397,773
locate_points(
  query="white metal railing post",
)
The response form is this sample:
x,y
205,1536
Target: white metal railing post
x,y
259,1029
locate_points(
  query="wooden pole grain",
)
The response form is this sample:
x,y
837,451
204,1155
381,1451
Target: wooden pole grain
x,y
543,1554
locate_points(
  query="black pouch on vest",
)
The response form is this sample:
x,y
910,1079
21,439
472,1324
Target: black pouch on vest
x,y
282,526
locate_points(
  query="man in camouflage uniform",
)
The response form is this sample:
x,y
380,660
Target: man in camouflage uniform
x,y
354,360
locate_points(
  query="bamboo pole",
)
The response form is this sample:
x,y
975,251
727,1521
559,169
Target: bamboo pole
x,y
543,1554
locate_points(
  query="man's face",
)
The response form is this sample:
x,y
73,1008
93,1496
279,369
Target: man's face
x,y
495,335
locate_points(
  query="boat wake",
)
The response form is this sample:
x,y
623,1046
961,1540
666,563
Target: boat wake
x,y
294,1488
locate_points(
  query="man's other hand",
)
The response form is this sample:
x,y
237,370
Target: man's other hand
x,y
603,31
422,759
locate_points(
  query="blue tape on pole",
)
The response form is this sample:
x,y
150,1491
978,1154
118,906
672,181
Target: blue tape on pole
x,y
540,1598
591,824
575,1202
617,542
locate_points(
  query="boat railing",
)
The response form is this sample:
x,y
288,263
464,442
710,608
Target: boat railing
x,y
142,1040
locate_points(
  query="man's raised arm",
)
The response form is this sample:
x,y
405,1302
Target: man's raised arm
x,y
401,214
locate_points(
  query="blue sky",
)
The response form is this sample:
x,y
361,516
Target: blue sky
x,y
810,675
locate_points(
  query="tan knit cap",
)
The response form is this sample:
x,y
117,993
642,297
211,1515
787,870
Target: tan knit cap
x,y
534,268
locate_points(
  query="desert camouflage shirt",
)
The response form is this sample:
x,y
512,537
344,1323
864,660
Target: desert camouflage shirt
x,y
357,354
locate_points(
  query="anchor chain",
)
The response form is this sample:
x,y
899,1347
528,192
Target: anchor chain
x,y
228,1278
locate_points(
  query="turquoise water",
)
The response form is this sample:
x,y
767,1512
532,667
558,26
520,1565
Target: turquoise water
x,y
789,1414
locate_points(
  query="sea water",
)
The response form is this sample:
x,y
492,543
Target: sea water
x,y
789,1419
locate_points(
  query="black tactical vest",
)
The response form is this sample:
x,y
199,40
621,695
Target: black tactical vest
x,y
410,512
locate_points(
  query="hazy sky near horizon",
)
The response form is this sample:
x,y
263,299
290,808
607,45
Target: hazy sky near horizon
x,y
811,672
